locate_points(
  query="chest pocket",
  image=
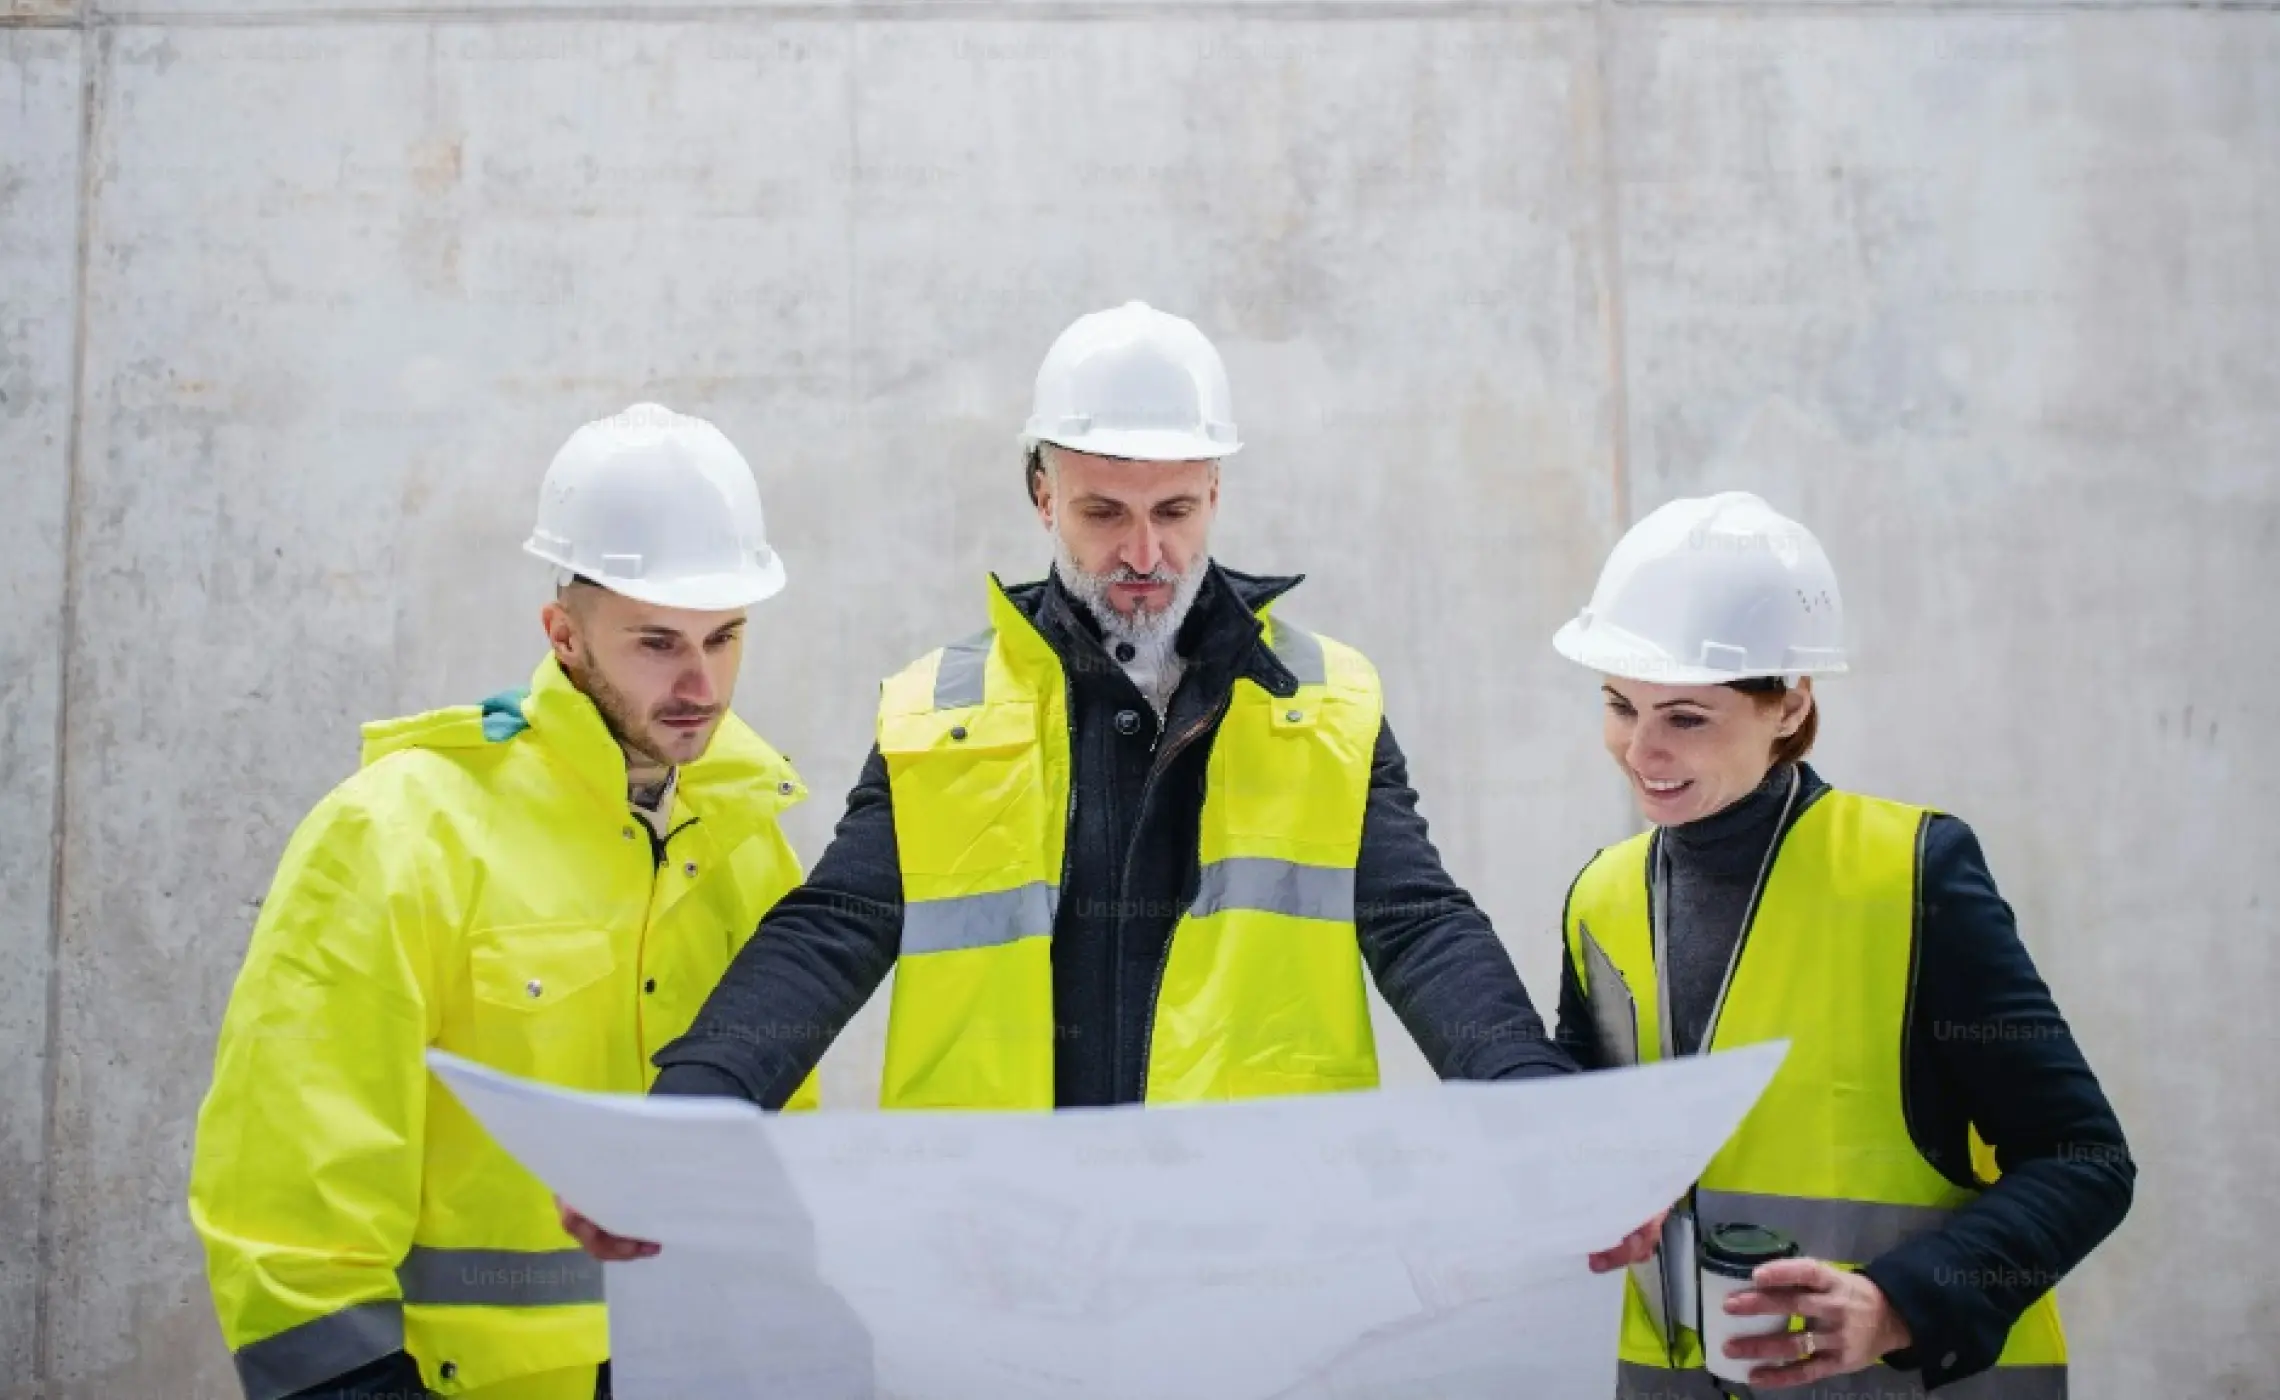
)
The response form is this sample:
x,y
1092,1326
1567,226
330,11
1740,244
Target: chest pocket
x,y
968,795
546,1002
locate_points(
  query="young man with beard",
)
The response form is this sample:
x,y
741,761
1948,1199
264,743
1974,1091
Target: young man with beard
x,y
1135,842
548,882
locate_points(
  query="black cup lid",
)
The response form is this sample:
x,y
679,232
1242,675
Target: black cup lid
x,y
1736,1249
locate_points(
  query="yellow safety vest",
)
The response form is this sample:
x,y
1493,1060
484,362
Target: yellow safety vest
x,y
1261,988
1825,1156
479,885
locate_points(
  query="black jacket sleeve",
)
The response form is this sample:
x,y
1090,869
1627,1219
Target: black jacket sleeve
x,y
1435,957
817,957
1990,1048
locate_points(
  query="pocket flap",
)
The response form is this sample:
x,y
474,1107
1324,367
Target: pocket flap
x,y
536,967
992,728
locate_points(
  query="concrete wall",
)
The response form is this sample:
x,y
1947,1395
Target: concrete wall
x,y
295,300
40,103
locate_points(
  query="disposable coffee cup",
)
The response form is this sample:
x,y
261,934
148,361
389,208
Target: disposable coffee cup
x,y
1729,1255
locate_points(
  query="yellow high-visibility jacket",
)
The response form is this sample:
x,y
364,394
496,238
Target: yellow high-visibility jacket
x,y
480,885
1826,1155
1262,987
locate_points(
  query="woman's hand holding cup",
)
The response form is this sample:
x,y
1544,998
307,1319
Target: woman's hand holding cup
x,y
1849,1323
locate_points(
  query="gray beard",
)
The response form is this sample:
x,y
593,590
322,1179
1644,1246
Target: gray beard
x,y
1156,665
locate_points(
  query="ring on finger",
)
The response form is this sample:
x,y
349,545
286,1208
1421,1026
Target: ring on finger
x,y
1807,1344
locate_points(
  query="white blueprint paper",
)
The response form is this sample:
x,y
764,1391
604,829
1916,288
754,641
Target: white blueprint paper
x,y
1425,1244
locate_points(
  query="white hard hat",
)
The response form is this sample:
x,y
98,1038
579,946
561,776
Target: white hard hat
x,y
1712,589
660,507
1137,383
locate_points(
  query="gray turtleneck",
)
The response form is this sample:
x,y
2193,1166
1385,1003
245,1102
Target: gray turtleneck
x,y
1713,865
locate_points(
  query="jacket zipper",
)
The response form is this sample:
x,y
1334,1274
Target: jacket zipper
x,y
1053,919
1124,888
659,855
641,941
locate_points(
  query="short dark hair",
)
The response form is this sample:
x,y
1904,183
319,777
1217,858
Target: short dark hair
x,y
1768,691
1033,471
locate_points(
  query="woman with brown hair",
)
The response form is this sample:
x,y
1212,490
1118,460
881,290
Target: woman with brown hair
x,y
1934,1153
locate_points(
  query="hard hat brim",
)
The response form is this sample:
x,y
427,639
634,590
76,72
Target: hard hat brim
x,y
698,593
1142,444
1612,653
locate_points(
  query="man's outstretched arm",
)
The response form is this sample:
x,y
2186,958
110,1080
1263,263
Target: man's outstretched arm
x,y
817,957
1435,956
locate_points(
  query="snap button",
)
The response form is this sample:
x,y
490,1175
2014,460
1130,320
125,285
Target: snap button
x,y
689,869
450,1370
627,833
1294,716
1127,722
1947,1362
650,985
533,987
957,731
785,787
1124,651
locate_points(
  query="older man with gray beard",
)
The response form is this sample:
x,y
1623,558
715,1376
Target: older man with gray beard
x,y
1137,841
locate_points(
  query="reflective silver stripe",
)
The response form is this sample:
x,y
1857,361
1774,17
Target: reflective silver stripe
x,y
1301,651
1614,1015
500,1278
979,920
958,679
1847,1232
1277,887
1637,1382
318,1350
